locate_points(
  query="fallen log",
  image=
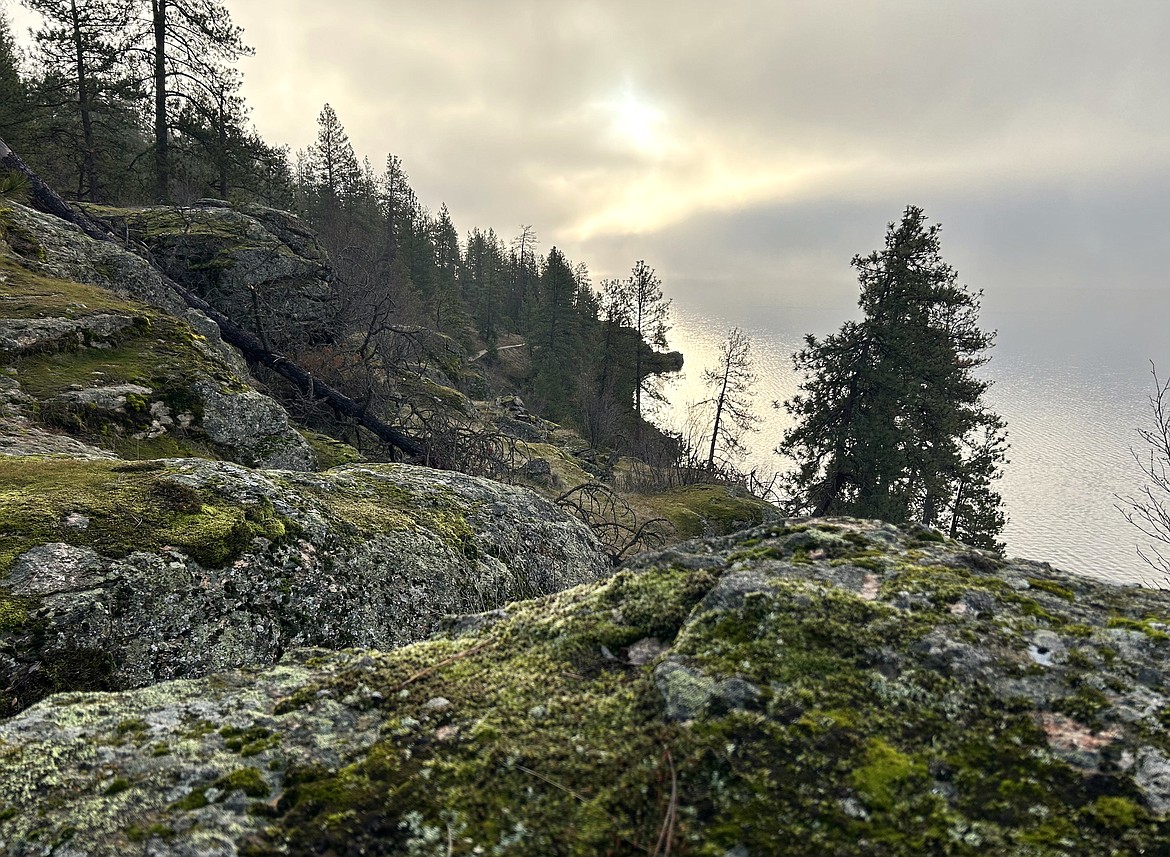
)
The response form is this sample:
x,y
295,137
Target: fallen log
x,y
48,201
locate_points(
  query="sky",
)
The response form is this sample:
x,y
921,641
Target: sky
x,y
747,150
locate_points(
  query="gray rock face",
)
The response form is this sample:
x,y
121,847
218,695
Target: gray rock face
x,y
33,334
66,253
256,426
829,687
261,267
359,556
19,437
114,365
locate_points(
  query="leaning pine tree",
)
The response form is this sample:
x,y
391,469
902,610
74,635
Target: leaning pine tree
x,y
890,419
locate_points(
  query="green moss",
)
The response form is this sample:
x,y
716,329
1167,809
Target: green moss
x,y
14,611
425,396
198,729
330,452
1086,704
127,511
887,775
1052,588
249,742
248,780
135,724
118,786
943,586
150,223
696,510
1151,626
194,800
379,505
26,294
158,830
1116,813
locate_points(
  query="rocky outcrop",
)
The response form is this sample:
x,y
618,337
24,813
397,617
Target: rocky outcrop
x,y
261,267
120,575
100,350
803,688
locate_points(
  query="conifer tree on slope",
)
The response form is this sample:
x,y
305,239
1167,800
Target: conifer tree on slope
x,y
80,48
14,113
890,419
191,46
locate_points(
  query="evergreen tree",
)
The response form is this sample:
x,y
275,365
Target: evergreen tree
x,y
80,49
219,155
14,107
890,421
603,408
190,46
331,167
524,273
485,265
648,311
446,298
554,338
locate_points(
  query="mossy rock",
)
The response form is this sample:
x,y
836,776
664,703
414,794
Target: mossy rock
x,y
231,257
106,564
832,706
330,452
125,508
708,509
120,374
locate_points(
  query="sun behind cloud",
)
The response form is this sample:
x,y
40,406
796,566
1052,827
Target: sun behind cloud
x,y
636,122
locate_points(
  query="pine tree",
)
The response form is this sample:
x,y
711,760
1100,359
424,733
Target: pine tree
x,y
331,165
446,287
190,46
648,312
523,265
221,156
890,419
554,337
486,266
14,113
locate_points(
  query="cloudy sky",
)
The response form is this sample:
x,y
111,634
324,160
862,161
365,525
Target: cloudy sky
x,y
748,149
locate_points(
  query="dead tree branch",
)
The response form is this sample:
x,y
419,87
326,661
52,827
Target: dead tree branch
x,y
45,199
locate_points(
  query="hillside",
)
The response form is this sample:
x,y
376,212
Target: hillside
x,y
211,642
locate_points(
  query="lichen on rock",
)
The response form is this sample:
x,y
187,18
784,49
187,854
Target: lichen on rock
x,y
186,567
808,687
257,265
99,349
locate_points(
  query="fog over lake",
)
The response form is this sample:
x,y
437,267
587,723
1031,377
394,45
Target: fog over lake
x,y
1073,384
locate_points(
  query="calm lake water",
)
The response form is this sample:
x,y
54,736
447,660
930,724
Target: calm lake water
x,y
1071,428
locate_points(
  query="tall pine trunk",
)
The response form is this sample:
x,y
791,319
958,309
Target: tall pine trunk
x,y
87,181
162,167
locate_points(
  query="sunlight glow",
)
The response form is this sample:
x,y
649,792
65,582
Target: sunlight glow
x,y
699,180
635,122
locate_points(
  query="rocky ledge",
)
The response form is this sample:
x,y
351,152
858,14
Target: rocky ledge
x,y
805,688
122,574
101,358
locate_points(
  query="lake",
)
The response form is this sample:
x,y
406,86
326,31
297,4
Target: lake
x,y
1071,426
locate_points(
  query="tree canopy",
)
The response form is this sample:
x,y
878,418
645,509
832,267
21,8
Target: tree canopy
x,y
890,420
